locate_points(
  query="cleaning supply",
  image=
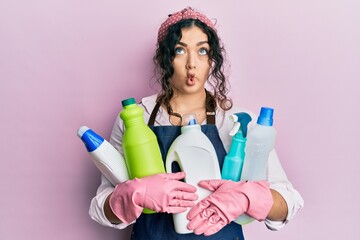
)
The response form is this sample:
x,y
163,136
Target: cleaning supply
x,y
105,157
196,156
260,142
139,143
141,150
234,160
161,192
229,200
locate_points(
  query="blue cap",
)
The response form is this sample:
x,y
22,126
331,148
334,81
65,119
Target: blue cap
x,y
266,116
91,140
189,118
192,121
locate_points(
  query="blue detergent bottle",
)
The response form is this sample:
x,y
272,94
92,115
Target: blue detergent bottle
x,y
234,160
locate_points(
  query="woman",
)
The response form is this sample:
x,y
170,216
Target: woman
x,y
190,61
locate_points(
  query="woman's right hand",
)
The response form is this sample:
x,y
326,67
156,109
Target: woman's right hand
x,y
160,192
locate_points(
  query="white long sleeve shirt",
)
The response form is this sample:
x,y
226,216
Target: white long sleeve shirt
x,y
276,175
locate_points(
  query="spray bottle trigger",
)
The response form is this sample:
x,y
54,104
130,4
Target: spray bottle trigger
x,y
234,129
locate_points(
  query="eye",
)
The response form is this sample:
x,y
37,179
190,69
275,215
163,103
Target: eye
x,y
179,50
203,51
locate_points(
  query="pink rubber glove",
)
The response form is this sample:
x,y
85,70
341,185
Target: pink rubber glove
x,y
160,192
227,202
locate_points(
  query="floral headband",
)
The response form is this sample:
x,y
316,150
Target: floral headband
x,y
186,13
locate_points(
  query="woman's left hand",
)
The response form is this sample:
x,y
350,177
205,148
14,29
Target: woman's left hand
x,y
227,202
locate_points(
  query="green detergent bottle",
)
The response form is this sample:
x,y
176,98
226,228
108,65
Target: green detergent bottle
x,y
140,146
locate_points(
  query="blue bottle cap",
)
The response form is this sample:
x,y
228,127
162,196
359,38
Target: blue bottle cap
x,y
266,116
128,101
189,119
91,140
192,122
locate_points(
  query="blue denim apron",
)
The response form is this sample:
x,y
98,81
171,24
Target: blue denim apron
x,y
160,226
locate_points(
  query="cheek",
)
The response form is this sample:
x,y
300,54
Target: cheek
x,y
175,64
179,61
206,66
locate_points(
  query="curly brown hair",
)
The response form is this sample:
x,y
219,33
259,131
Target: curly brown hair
x,y
165,54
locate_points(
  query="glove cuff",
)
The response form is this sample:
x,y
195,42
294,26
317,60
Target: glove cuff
x,y
123,201
260,199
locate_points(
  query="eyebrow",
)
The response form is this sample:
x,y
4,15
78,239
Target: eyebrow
x,y
198,44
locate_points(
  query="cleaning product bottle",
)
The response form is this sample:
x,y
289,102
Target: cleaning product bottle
x,y
260,142
196,156
105,157
234,160
140,146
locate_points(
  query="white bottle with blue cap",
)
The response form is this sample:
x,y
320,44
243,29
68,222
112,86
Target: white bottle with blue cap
x,y
260,142
105,157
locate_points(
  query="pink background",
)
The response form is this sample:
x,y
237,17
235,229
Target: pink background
x,y
64,64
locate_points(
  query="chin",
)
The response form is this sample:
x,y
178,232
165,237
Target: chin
x,y
194,89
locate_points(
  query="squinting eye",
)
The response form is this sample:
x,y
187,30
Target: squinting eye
x,y
179,50
203,51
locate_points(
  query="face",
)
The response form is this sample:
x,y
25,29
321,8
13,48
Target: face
x,y
191,62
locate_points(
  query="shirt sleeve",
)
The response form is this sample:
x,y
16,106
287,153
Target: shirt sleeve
x,y
279,182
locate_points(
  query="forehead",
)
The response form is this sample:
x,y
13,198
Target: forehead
x,y
193,34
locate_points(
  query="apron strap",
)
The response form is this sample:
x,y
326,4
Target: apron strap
x,y
153,114
210,110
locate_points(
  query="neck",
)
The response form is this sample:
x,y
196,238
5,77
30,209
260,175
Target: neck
x,y
186,104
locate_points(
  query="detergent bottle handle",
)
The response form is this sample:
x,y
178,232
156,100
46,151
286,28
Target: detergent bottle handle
x,y
168,164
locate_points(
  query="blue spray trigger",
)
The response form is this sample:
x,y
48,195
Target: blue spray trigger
x,y
244,119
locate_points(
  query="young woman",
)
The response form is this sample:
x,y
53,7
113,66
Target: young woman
x,y
190,59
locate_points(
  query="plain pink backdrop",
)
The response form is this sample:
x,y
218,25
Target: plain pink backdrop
x,y
64,64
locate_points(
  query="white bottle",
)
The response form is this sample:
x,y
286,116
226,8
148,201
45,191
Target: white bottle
x,y
196,156
105,157
260,142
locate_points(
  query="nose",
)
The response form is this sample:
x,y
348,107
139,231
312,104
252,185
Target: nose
x,y
191,62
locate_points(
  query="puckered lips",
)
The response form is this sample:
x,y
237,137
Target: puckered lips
x,y
190,79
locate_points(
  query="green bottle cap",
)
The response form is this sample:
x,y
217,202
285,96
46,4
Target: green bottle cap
x,y
128,101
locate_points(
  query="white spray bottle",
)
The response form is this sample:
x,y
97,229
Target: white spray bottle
x,y
196,156
105,157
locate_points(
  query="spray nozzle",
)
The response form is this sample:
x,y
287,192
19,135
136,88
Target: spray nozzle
x,y
241,121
